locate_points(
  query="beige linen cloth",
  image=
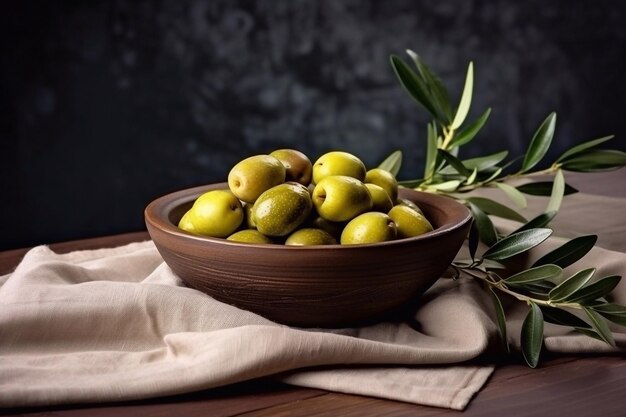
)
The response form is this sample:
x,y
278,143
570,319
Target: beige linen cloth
x,y
117,324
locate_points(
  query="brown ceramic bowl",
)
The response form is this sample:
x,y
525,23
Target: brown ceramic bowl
x,y
314,286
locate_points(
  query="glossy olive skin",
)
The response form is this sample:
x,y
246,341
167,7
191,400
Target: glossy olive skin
x,y
383,179
310,237
249,178
370,227
338,163
217,213
298,166
339,198
380,198
409,203
281,209
250,236
409,222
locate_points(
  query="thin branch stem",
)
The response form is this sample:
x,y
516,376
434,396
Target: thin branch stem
x,y
471,187
496,282
448,136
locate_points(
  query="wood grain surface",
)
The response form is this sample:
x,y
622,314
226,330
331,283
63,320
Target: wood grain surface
x,y
572,386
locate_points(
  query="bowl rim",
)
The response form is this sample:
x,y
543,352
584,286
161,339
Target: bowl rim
x,y
174,199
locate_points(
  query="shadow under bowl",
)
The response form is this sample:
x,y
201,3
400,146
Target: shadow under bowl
x,y
311,286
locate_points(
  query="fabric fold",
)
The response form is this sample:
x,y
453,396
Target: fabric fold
x,y
67,338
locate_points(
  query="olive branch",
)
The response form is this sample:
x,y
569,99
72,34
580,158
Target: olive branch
x,y
550,296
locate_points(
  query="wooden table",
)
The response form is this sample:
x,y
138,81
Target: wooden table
x,y
564,385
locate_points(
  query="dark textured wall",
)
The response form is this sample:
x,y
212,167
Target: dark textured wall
x,y
106,105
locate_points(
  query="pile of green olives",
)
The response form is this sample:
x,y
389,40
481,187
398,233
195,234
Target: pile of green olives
x,y
284,198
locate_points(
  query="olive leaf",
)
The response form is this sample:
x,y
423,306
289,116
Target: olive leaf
x,y
493,207
540,143
532,335
486,229
437,90
598,289
515,244
392,163
512,192
538,288
466,98
540,221
568,253
415,86
468,133
595,161
615,318
543,188
572,284
472,178
484,162
600,326
447,186
562,317
558,190
455,163
589,332
612,312
493,175
583,147
501,318
431,150
538,273
610,308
